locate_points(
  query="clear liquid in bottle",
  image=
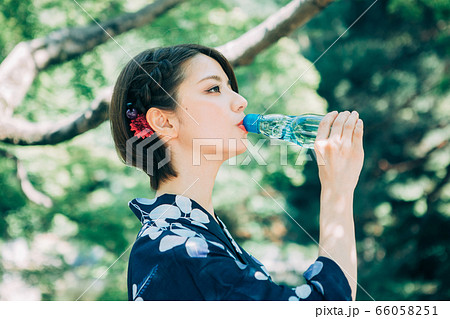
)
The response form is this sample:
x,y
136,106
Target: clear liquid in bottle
x,y
304,129
301,130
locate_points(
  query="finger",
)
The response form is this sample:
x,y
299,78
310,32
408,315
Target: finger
x,y
349,127
338,125
324,126
358,133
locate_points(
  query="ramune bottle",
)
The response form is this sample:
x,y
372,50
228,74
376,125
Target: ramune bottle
x,y
301,130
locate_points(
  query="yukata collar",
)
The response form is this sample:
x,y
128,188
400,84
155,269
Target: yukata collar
x,y
144,209
172,208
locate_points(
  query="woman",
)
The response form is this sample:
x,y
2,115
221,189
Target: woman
x,y
182,103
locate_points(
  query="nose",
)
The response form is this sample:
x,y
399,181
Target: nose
x,y
239,104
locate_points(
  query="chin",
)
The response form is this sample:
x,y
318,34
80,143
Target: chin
x,y
236,147
242,146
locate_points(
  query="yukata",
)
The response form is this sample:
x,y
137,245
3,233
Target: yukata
x,y
182,253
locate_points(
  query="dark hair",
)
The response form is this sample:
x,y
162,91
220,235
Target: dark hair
x,y
134,85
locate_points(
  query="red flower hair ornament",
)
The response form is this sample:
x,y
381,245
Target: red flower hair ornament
x,y
138,123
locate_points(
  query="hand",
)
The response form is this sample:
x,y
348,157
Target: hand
x,y
340,153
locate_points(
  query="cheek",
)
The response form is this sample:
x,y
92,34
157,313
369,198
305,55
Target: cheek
x,y
213,124
202,127
205,120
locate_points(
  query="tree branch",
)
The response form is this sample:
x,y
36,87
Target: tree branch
x,y
27,59
243,50
239,51
405,166
22,132
30,192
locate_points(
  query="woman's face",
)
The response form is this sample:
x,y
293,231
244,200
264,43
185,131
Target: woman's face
x,y
211,110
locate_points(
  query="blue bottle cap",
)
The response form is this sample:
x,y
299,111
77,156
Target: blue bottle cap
x,y
251,123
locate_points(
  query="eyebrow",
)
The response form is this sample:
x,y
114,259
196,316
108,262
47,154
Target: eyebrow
x,y
214,77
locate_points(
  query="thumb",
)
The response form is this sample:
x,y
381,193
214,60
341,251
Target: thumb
x,y
319,151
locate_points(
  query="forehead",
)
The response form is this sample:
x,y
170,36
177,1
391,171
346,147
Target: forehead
x,y
200,66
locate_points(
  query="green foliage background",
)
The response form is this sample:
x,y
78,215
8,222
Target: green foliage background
x,y
392,66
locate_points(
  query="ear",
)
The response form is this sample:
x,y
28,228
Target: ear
x,y
162,121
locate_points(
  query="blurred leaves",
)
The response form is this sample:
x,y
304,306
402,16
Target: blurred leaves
x,y
396,77
392,67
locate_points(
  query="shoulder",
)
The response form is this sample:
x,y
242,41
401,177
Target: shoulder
x,y
181,239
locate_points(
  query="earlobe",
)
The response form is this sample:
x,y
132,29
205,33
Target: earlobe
x,y
163,122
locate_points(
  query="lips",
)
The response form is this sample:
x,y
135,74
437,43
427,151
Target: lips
x,y
241,126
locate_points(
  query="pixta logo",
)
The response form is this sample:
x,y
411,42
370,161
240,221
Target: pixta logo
x,y
138,147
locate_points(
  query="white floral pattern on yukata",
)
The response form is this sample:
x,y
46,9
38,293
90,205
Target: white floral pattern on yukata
x,y
181,253
175,233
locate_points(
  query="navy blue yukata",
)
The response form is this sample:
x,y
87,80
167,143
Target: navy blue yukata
x,y
182,253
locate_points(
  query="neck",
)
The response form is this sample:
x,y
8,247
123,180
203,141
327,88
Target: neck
x,y
193,181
